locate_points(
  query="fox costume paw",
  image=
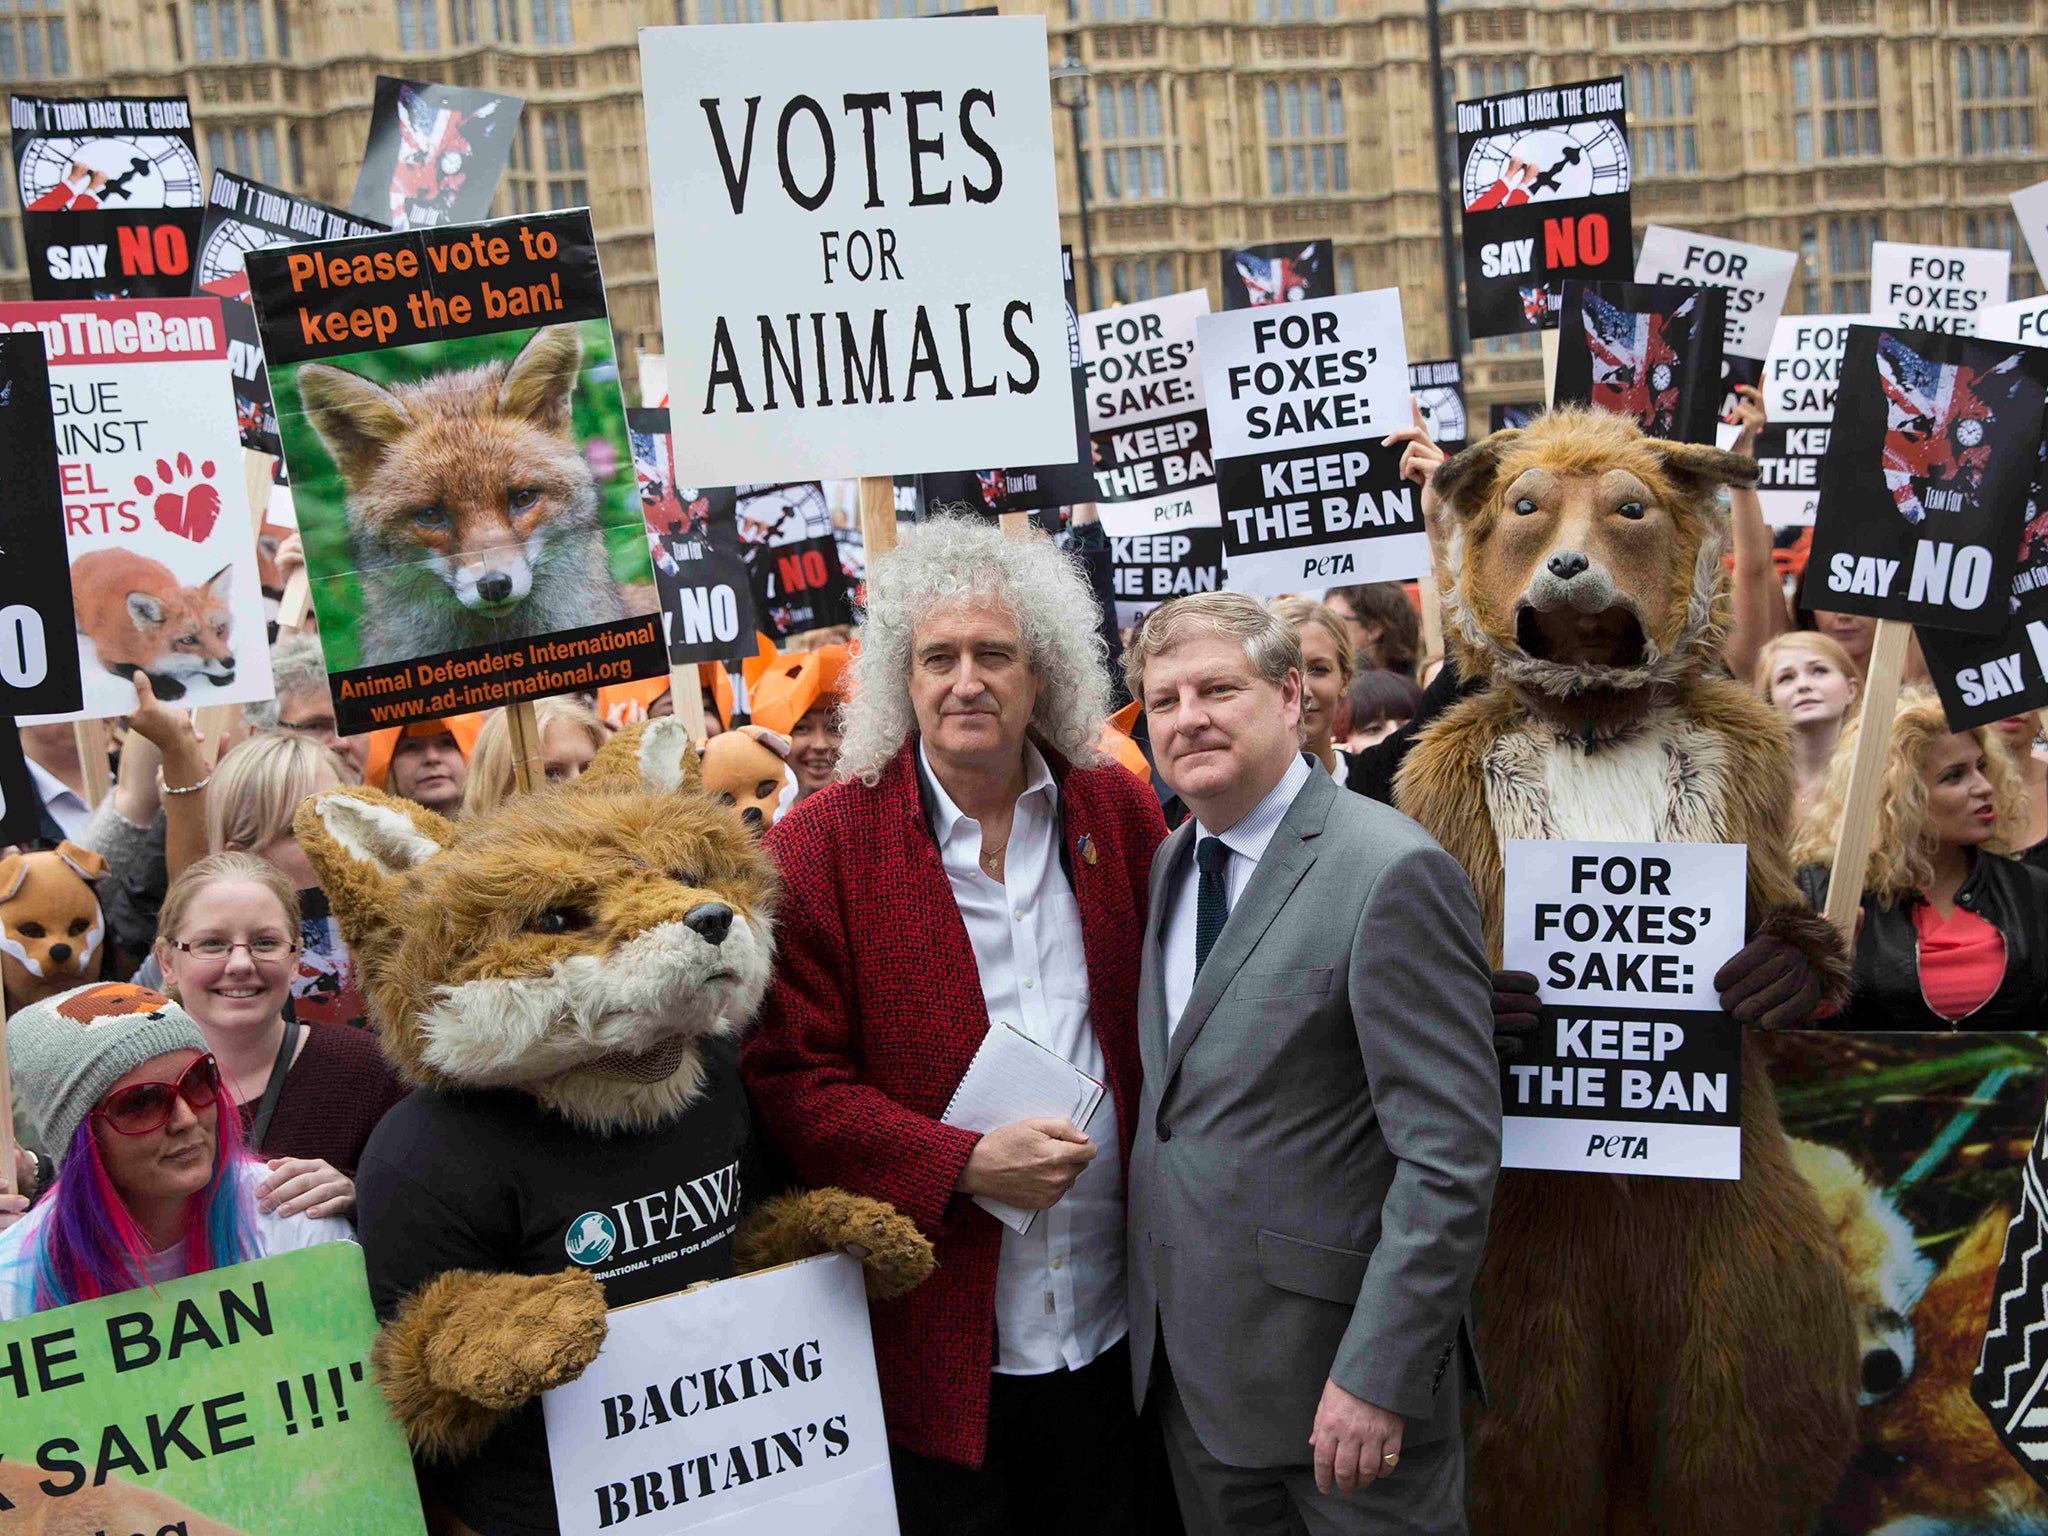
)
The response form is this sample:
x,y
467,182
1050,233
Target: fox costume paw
x,y
897,1257
468,1346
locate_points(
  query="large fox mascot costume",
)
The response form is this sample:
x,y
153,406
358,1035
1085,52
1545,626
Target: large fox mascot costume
x,y
1664,1355
564,981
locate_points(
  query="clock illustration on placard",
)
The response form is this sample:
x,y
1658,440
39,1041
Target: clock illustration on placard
x,y
1505,170
114,171
1443,412
228,245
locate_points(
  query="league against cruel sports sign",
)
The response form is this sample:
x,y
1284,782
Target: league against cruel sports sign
x,y
858,244
1635,1068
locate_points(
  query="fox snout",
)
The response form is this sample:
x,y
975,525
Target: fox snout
x,y
1569,579
490,581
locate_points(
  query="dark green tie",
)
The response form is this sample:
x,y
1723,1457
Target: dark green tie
x,y
1212,899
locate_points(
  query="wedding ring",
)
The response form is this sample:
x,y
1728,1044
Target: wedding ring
x,y
1392,1458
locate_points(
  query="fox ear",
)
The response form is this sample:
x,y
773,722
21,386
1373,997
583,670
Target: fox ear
x,y
13,870
361,844
219,582
85,864
538,384
144,610
653,755
356,419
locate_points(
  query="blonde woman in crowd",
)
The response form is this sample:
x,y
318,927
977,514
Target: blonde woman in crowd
x,y
1811,681
1954,928
569,737
1328,665
2017,733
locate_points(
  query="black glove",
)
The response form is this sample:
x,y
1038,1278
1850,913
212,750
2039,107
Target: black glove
x,y
1515,1019
1768,983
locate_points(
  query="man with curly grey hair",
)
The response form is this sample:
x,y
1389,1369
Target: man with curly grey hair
x,y
977,867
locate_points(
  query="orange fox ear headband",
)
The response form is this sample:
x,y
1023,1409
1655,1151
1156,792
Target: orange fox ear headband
x,y
377,762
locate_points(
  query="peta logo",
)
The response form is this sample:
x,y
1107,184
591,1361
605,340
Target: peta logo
x,y
1635,1148
591,1238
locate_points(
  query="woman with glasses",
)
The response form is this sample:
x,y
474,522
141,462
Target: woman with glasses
x,y
228,943
152,1182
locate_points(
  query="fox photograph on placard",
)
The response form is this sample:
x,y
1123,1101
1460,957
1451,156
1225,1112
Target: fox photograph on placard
x,y
434,155
461,473
163,554
707,604
1279,273
1923,492
1647,351
1545,190
39,666
110,195
243,216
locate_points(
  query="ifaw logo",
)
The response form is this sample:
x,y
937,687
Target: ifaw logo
x,y
591,1238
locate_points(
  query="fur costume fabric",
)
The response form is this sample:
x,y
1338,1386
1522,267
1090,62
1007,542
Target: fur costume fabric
x,y
590,952
51,926
1664,1355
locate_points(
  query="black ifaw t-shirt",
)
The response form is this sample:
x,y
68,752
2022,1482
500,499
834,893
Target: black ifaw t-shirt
x,y
491,1181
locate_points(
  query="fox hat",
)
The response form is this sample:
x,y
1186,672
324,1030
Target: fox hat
x,y
67,1051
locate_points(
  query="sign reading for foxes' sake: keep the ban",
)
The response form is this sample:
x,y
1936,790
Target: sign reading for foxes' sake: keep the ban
x,y
1635,1068
234,1401
859,248
449,405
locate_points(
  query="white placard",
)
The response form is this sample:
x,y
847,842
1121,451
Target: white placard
x,y
2023,320
1757,278
750,1405
1301,375
1804,367
1139,360
156,509
2030,208
1936,287
1175,511
1635,1069
858,241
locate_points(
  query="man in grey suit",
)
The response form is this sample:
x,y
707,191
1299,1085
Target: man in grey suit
x,y
1320,1124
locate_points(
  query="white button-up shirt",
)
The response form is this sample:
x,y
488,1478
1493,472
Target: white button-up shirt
x,y
1060,1286
66,806
1247,841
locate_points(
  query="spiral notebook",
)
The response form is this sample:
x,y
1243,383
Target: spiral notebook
x,y
1012,1078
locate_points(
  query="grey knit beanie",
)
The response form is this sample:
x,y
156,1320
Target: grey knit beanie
x,y
66,1051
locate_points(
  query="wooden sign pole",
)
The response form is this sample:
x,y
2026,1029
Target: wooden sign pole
x,y
91,736
7,1149
529,764
1016,524
216,723
686,696
1549,340
877,515
296,603
1866,776
258,469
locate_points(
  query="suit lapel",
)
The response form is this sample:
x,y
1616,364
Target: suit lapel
x,y
1286,860
1167,863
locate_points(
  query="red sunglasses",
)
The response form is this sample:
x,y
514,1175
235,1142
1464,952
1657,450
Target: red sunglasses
x,y
141,1108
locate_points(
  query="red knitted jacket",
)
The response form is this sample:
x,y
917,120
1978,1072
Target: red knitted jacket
x,y
872,1016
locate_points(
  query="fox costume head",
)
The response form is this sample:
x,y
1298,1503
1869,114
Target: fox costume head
x,y
1584,559
474,474
579,943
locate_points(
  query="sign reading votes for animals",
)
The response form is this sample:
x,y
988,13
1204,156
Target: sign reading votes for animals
x,y
1300,397
1636,1069
1545,192
1923,492
163,558
747,1405
449,405
858,241
210,1403
1155,468
1936,287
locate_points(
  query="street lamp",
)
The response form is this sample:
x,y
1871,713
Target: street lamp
x,y
1070,90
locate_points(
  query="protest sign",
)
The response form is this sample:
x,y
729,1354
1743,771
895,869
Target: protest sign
x,y
214,1401
1635,1068
2022,320
887,190
1982,678
1935,287
21,808
1504,414
1803,369
749,1405
2030,208
243,216
792,556
1756,277
1154,466
1650,352
1788,460
1038,487
1545,195
434,154
1148,568
707,604
1438,389
1300,398
1279,273
39,666
1924,489
449,405
162,551
110,195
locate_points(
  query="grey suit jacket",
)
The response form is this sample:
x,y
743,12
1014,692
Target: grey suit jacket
x,y
1316,1147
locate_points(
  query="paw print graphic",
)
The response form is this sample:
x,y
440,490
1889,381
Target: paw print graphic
x,y
184,507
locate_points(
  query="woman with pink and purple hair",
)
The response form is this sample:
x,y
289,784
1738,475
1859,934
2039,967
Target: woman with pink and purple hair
x,y
152,1180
